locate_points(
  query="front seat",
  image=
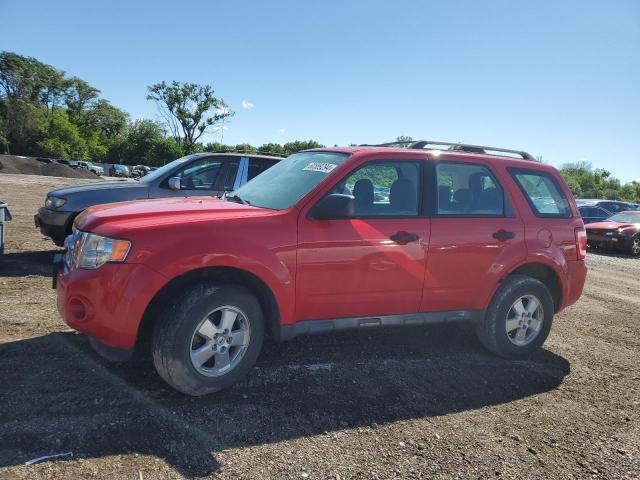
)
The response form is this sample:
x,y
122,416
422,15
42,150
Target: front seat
x,y
402,197
363,195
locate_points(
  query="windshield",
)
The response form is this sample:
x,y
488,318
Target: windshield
x,y
625,217
160,172
288,181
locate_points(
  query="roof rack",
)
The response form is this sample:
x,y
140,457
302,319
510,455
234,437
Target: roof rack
x,y
461,147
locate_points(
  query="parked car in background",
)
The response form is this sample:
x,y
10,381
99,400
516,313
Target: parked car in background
x,y
118,170
620,232
209,174
297,250
613,206
593,213
140,171
91,167
46,160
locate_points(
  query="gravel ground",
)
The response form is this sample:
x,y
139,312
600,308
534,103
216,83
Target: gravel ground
x,y
423,403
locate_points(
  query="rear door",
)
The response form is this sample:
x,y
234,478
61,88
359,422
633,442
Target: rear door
x,y
475,234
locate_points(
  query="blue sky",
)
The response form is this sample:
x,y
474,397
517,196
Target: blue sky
x,y
560,79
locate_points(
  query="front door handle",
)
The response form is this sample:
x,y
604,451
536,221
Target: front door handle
x,y
404,237
503,235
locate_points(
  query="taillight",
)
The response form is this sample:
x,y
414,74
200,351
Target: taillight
x,y
581,243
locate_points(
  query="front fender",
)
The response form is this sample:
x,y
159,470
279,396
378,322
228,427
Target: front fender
x,y
268,253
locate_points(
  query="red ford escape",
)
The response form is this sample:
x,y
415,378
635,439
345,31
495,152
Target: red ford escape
x,y
326,240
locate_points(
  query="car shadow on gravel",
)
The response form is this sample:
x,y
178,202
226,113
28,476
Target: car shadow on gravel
x,y
23,264
58,396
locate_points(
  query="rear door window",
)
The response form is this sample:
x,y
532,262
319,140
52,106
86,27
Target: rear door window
x,y
544,196
468,190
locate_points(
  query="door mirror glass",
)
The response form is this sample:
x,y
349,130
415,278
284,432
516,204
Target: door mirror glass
x,y
174,183
333,207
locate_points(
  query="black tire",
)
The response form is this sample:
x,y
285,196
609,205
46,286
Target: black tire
x,y
492,329
174,330
634,246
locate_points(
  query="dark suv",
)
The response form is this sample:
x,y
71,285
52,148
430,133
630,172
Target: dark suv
x,y
197,174
308,247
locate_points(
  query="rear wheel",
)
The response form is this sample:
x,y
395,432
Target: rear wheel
x,y
519,318
208,339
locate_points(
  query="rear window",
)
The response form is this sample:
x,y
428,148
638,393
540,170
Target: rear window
x,y
542,192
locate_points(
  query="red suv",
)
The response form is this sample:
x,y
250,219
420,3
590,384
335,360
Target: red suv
x,y
326,240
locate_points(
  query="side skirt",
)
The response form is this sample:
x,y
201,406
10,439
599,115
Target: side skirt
x,y
313,327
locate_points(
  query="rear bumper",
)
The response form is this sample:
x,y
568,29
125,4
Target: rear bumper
x,y
107,303
576,275
53,223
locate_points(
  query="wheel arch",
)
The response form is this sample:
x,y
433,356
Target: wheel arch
x,y
545,274
222,274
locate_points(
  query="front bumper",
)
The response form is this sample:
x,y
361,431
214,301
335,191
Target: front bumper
x,y
107,303
53,223
608,241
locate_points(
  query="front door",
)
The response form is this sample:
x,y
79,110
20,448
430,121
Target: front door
x,y
205,176
372,264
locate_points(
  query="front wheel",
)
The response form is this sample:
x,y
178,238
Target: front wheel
x,y
519,318
208,339
634,246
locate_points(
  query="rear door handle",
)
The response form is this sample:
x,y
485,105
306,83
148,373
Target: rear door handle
x,y
503,235
404,237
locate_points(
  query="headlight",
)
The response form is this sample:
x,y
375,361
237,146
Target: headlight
x,y
92,251
54,202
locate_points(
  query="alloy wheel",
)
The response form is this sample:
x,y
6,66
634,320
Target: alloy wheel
x,y
524,320
220,341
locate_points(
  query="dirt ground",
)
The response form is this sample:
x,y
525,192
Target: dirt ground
x,y
384,404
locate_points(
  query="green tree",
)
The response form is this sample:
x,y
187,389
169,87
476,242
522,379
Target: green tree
x,y
188,110
62,138
22,125
144,143
298,146
108,120
80,94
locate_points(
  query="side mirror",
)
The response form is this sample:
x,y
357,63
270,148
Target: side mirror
x,y
174,183
333,207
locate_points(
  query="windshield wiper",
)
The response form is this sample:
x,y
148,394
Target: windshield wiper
x,y
237,199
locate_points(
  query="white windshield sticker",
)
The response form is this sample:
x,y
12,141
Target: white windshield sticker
x,y
320,167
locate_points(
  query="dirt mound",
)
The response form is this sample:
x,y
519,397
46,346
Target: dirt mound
x,y
31,166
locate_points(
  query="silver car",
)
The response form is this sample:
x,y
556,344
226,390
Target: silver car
x,y
197,174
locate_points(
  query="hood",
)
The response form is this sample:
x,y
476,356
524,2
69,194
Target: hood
x,y
608,225
164,211
80,197
85,187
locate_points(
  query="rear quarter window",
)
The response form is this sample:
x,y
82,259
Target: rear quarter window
x,y
544,195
